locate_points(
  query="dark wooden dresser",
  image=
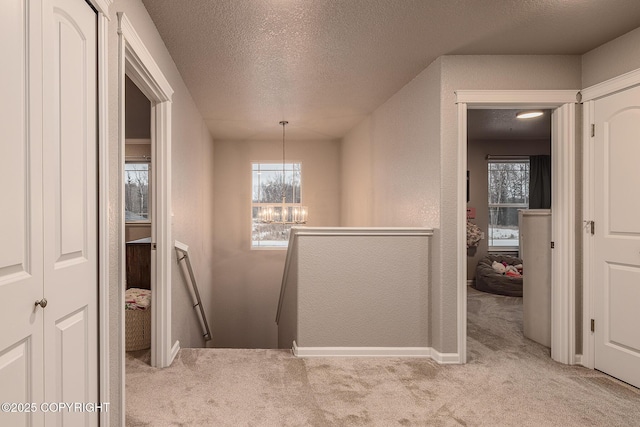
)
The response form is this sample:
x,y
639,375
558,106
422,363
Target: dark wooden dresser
x,y
139,263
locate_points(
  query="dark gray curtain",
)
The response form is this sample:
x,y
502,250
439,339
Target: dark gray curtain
x,y
540,182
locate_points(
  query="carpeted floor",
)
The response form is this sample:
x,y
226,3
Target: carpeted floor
x,y
508,381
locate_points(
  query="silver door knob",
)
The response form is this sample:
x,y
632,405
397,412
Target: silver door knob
x,y
42,303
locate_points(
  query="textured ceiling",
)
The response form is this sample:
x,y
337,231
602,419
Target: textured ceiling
x,y
503,125
325,64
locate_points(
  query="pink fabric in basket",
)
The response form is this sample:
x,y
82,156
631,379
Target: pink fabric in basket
x,y
137,299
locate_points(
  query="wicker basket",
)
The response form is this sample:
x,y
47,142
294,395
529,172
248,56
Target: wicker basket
x,y
137,329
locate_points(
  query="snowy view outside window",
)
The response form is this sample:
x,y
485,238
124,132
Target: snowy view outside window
x,y
508,192
267,186
136,192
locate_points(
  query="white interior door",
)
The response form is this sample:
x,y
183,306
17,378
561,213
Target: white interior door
x,y
21,276
70,200
617,235
48,218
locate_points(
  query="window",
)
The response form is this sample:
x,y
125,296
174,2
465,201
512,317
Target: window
x,y
267,190
136,192
508,192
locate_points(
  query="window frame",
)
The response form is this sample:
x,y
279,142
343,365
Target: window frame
x,y
504,159
146,161
253,204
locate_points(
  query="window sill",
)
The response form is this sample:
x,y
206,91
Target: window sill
x,y
504,249
268,248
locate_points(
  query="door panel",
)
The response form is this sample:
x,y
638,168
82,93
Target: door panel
x,y
71,343
617,238
621,169
14,165
21,275
622,296
16,371
71,133
70,199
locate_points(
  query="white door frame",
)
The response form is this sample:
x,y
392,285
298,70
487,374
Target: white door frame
x,y
136,62
589,96
563,325
104,392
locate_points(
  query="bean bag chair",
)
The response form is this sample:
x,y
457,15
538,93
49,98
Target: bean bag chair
x,y
489,280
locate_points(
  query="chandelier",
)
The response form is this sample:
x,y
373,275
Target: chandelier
x,y
286,213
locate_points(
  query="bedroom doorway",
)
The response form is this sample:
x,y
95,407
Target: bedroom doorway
x,y
508,171
139,197
137,64
563,229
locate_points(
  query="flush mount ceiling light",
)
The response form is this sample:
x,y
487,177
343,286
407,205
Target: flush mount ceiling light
x,y
529,114
286,213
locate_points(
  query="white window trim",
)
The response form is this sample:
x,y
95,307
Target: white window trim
x,y
505,159
149,194
252,204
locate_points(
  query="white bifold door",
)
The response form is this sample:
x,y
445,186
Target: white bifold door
x,y
617,235
48,213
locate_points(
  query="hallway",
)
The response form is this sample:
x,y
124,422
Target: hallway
x,y
509,380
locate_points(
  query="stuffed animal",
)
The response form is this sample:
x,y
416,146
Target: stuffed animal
x,y
499,267
510,268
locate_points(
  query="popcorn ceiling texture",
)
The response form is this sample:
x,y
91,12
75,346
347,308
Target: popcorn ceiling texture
x,y
327,64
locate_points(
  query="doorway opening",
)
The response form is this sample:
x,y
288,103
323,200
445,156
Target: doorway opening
x,y
136,63
139,197
508,184
564,327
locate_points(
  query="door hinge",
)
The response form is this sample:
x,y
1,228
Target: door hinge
x,y
590,226
593,130
154,246
593,325
553,245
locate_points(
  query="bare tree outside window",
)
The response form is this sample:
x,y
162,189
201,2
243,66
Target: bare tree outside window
x,y
268,189
136,192
508,192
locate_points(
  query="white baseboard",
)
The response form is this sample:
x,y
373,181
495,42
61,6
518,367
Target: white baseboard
x,y
470,282
445,358
577,359
174,351
426,352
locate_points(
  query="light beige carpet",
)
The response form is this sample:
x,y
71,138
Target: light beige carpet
x,y
509,381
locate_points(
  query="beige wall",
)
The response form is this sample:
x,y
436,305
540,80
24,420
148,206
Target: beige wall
x,y
374,294
397,179
612,59
390,161
413,143
509,72
192,165
247,282
477,152
356,202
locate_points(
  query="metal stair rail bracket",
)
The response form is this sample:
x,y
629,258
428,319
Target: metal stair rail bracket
x,y
182,252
